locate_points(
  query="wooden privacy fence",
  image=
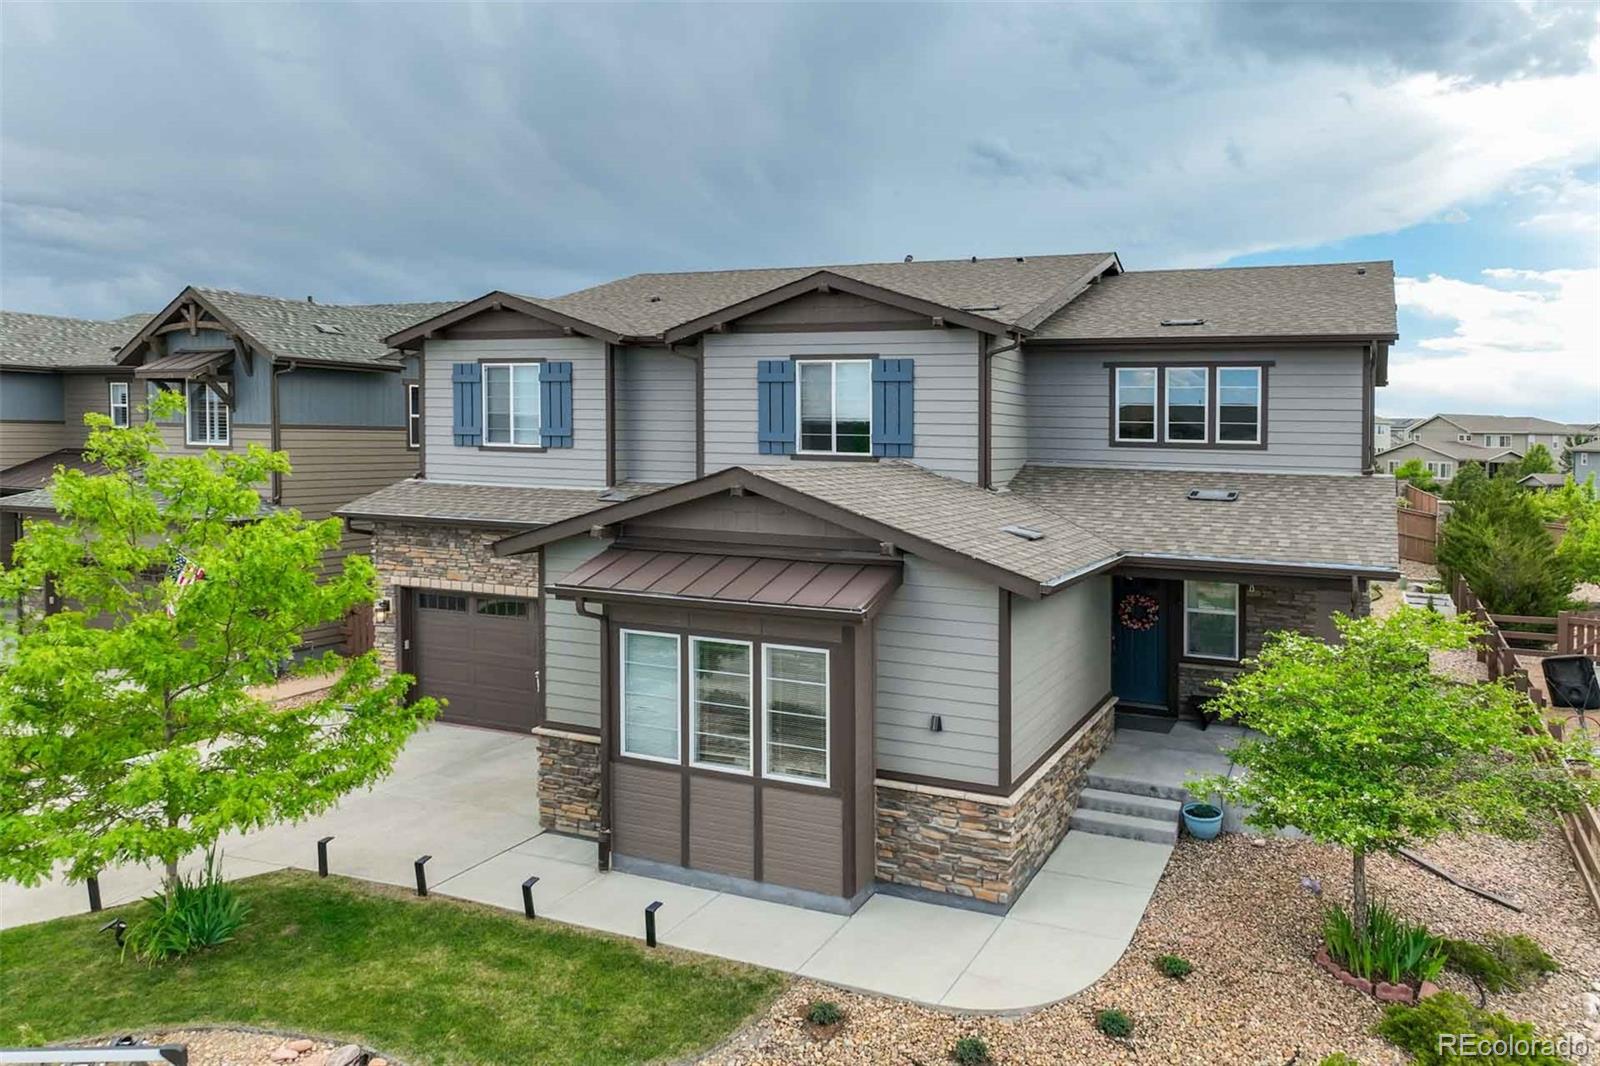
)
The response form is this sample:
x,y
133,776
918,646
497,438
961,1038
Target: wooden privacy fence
x,y
1418,517
360,633
1581,830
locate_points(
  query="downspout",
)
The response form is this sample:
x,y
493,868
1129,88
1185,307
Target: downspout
x,y
603,856
277,426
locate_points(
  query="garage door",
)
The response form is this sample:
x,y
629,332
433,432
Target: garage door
x,y
481,653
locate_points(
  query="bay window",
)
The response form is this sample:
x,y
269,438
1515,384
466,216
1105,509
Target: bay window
x,y
720,705
207,420
794,685
649,691
1188,406
1210,620
835,406
511,405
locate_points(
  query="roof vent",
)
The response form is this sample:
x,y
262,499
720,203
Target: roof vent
x,y
324,327
1023,532
974,259
1214,495
655,299
1021,259
1361,270
1183,321
908,259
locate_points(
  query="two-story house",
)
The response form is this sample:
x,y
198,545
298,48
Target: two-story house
x,y
817,581
1444,442
314,380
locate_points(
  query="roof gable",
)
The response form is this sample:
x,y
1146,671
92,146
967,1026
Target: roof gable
x,y
538,316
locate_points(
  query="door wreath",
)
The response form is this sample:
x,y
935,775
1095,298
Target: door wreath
x,y
1138,612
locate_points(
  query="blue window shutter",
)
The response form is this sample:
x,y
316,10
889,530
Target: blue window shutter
x,y
466,390
555,405
775,406
894,431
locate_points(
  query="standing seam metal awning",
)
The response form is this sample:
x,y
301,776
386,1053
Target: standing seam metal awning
x,y
732,581
183,365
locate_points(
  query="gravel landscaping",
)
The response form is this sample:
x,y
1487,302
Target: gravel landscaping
x,y
1238,911
244,1047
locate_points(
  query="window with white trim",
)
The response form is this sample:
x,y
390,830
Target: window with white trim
x,y
649,695
794,687
1210,620
1136,404
720,704
1394,464
1188,404
121,412
207,421
511,405
834,399
413,415
1238,405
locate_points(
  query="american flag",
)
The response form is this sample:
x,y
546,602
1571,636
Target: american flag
x,y
182,572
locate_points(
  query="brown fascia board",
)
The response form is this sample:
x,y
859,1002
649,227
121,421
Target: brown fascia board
x,y
826,279
1269,568
498,300
1169,341
724,480
1067,293
159,319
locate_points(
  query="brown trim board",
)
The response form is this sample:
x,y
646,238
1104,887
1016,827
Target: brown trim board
x,y
1003,686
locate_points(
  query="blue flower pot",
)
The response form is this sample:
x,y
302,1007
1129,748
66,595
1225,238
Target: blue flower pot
x,y
1202,820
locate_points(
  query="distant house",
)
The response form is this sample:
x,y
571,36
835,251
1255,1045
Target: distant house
x,y
1585,460
1389,432
1498,432
1443,459
1542,482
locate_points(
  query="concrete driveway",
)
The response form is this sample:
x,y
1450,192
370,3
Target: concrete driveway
x,y
466,797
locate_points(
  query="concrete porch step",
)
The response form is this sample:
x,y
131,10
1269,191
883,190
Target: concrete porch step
x,y
1133,785
1153,807
1128,826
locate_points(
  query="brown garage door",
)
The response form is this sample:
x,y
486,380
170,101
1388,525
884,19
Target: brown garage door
x,y
481,653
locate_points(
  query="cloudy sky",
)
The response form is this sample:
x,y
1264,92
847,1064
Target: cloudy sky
x,y
374,152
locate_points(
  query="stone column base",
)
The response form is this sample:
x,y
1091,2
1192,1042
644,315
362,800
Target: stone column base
x,y
985,847
569,781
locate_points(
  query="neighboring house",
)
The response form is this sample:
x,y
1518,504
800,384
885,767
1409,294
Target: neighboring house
x,y
1542,482
314,380
1585,460
1494,432
1443,458
817,581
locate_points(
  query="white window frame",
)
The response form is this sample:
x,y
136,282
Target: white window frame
x,y
694,706
1216,389
827,716
1447,470
622,697
211,398
1166,406
511,410
1155,403
125,404
1238,608
833,406
413,415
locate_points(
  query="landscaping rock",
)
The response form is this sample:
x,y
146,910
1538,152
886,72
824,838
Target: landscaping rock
x,y
285,1054
300,1046
1388,993
377,1062
346,1055
1427,990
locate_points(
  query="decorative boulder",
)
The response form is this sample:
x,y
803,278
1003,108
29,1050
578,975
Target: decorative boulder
x,y
347,1055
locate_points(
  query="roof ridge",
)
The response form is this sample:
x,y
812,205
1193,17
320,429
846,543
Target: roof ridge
x,y
1258,266
813,267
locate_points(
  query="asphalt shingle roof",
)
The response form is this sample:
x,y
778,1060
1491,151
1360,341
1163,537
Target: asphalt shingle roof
x,y
290,328
1289,519
1455,449
36,473
1507,424
52,342
508,507
1279,301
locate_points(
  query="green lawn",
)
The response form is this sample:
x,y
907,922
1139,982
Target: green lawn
x,y
428,980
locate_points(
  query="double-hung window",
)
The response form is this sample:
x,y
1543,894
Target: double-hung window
x,y
207,421
511,405
413,415
1188,404
1210,620
835,406
794,685
121,413
1238,405
1136,403
650,695
721,704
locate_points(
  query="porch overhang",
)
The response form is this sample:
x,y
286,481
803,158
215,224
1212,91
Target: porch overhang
x,y
805,588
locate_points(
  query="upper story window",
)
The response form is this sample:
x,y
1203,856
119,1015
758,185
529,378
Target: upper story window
x,y
511,405
207,421
1136,404
1217,405
413,415
1238,405
1188,404
1497,440
121,413
835,406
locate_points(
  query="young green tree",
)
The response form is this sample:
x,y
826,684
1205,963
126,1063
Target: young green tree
x,y
1468,480
1577,507
1537,461
1497,540
1363,746
128,728
1570,443
1414,471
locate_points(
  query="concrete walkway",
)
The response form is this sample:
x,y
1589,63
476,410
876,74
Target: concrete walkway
x,y
465,796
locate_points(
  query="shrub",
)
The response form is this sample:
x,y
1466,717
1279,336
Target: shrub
x,y
970,1051
1479,963
1338,1058
1524,955
195,913
1504,963
824,1012
1175,966
1388,949
1418,1030
1114,1023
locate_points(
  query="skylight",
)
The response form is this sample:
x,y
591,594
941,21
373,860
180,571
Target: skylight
x,y
1183,321
1214,495
1023,532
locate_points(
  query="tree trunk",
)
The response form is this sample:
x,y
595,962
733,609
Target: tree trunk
x,y
1358,888
172,876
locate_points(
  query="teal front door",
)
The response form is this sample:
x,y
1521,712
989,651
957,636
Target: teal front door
x,y
1139,643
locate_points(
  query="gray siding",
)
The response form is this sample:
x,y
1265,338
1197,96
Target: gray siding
x,y
312,397
1315,415
646,806
946,390
722,825
581,466
572,642
938,643
31,397
1008,407
655,416
252,378
1060,665
802,840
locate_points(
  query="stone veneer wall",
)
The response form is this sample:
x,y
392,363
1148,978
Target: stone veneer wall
x,y
443,557
986,848
569,781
